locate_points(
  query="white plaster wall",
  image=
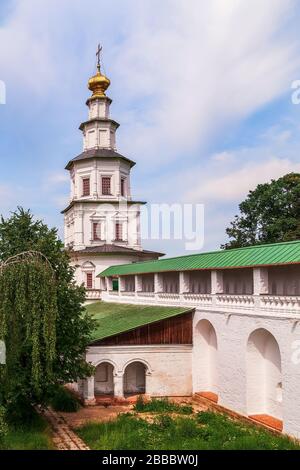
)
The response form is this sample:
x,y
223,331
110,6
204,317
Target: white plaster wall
x,y
169,368
100,263
99,134
95,169
78,229
233,331
206,358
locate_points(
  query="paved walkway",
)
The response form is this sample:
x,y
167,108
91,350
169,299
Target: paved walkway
x,y
63,436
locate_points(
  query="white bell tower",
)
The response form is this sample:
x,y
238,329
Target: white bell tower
x,y
102,221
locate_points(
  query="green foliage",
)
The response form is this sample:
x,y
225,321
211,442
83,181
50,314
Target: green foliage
x,y
3,424
160,405
269,214
129,432
28,311
42,318
63,399
33,434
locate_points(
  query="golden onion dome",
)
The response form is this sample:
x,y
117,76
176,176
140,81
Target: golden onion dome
x,y
98,84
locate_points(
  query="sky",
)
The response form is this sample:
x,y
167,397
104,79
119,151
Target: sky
x,y
202,90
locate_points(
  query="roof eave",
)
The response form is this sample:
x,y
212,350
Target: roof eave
x,y
72,162
213,268
189,310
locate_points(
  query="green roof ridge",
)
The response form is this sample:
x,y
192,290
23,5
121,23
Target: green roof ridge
x,y
284,258
209,252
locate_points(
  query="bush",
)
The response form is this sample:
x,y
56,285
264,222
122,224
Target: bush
x,y
161,405
64,400
3,424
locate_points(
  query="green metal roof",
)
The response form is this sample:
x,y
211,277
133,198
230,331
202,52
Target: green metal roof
x,y
258,255
115,318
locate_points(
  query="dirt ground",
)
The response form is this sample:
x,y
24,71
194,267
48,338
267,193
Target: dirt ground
x,y
100,413
94,414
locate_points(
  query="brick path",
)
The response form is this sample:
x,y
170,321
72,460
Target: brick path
x,y
62,435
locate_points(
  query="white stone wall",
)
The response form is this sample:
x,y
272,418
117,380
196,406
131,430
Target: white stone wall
x,y
260,375
96,264
232,332
168,368
79,225
95,169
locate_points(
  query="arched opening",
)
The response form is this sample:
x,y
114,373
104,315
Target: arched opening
x,y
264,378
206,360
104,379
135,379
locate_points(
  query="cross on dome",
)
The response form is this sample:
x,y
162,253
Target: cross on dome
x,y
99,83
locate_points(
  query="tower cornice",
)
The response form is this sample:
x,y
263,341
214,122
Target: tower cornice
x,y
100,201
96,153
99,119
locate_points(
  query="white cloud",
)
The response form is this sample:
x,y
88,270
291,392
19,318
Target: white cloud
x,y
181,71
223,157
193,67
203,65
236,184
58,178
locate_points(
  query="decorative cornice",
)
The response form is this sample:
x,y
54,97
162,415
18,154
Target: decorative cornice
x,y
98,119
99,201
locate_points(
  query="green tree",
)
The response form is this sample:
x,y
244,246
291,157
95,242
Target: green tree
x,y
269,214
28,313
73,326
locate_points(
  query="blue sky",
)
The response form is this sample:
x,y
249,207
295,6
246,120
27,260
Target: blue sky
x,y
202,91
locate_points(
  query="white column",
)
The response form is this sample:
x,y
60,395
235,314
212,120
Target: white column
x,y
260,281
78,229
103,283
158,283
118,386
109,285
94,182
89,391
217,282
184,285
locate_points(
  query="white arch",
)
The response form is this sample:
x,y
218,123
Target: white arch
x,y
97,363
88,265
264,377
205,358
143,361
134,378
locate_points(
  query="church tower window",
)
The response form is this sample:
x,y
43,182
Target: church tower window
x,y
106,186
122,187
86,186
96,231
118,232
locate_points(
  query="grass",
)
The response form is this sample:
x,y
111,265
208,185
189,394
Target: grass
x,y
33,436
161,405
201,431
